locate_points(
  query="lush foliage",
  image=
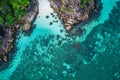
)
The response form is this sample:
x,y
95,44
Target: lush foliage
x,y
12,10
64,8
84,3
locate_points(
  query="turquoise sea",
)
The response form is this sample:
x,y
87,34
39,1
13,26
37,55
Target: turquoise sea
x,y
49,53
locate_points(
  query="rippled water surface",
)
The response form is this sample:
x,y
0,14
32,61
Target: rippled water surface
x,y
48,54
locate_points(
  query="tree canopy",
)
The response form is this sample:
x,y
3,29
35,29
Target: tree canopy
x,y
12,10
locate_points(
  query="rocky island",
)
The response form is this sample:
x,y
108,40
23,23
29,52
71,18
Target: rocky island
x,y
72,12
14,14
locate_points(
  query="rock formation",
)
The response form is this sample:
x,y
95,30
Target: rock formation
x,y
72,12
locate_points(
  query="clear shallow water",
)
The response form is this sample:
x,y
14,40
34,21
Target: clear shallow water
x,y
93,56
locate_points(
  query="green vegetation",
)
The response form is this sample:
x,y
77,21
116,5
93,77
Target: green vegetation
x,y
64,8
12,10
84,3
69,10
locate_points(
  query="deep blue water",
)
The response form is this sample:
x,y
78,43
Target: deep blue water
x,y
47,54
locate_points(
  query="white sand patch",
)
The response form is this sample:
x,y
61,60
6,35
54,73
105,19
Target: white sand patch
x,y
44,23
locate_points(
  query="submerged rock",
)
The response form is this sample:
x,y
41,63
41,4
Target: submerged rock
x,y
50,23
47,16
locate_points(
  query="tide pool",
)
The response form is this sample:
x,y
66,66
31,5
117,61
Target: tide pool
x,y
39,57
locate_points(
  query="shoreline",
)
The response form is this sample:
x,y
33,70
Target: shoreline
x,y
94,16
77,15
25,23
78,29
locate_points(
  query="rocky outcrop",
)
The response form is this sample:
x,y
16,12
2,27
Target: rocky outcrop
x,y
7,42
24,22
33,10
72,12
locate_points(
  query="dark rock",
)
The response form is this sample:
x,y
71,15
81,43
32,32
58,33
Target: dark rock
x,y
61,30
51,13
47,16
59,42
50,23
58,36
56,20
2,32
55,17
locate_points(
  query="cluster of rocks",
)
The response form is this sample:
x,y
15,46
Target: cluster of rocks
x,y
24,22
78,15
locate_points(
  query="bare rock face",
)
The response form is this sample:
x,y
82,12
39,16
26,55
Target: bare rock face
x,y
26,27
33,10
72,12
5,58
